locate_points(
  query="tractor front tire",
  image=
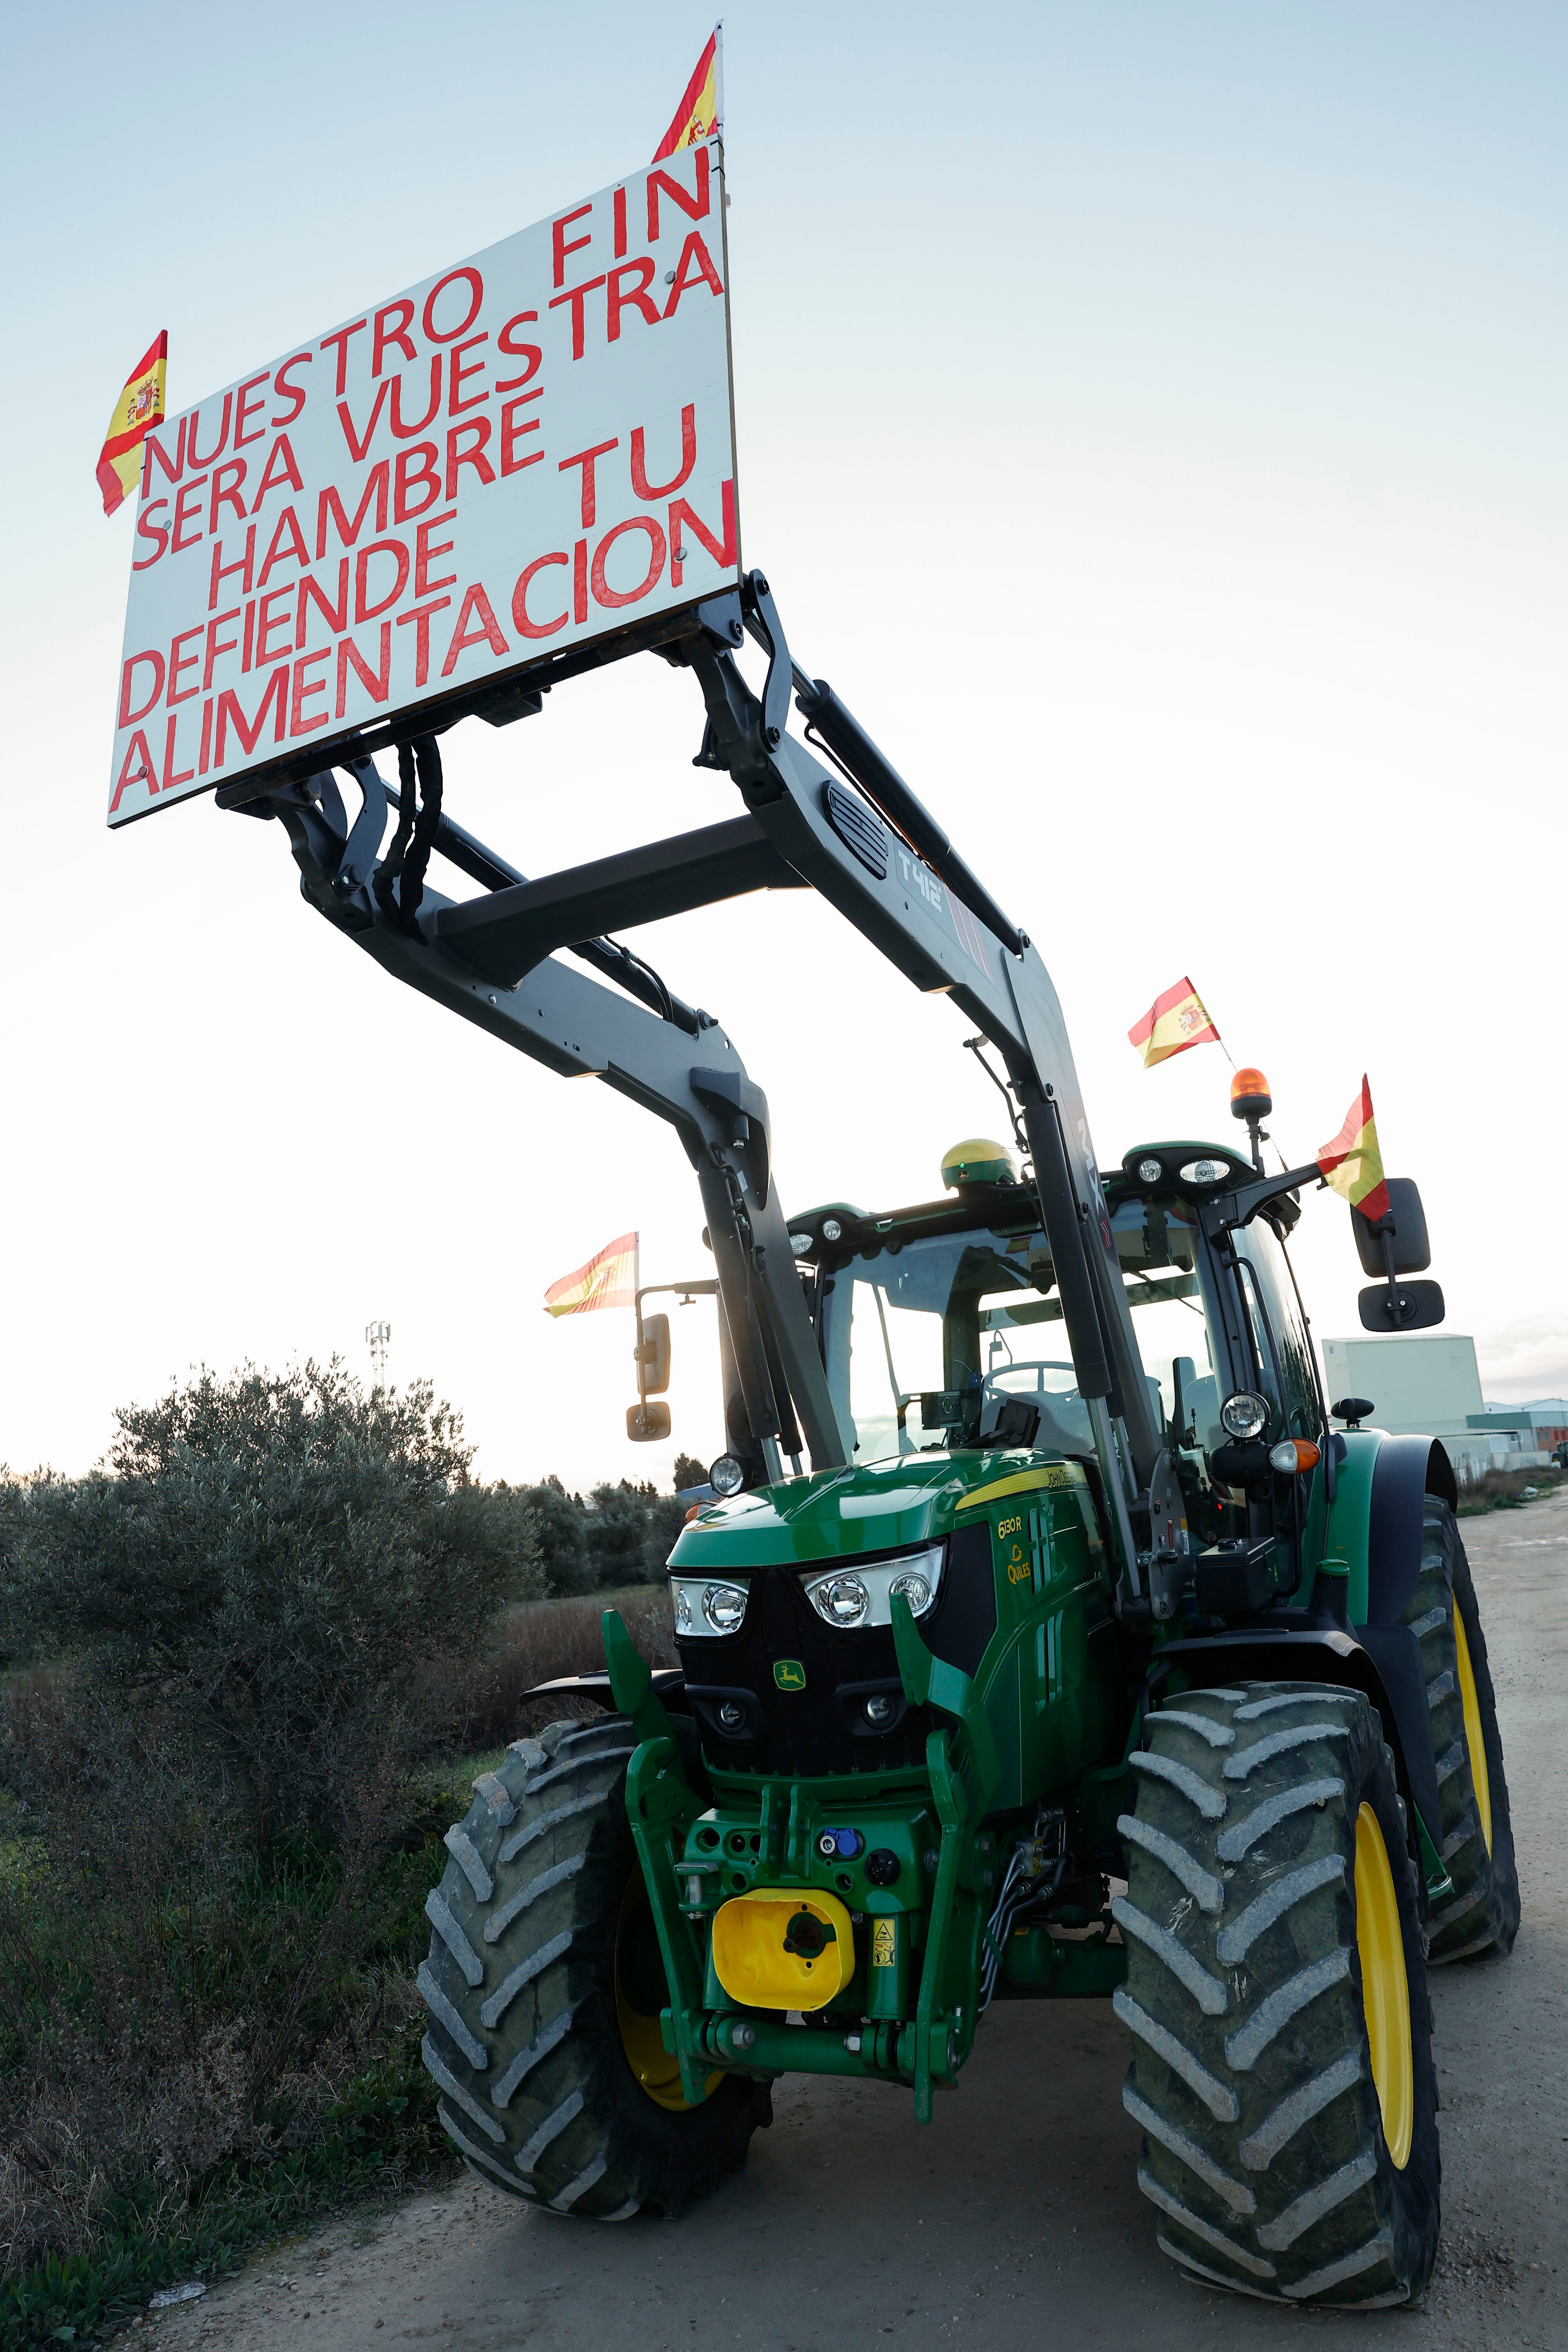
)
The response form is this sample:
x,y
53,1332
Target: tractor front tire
x,y
1482,1916
544,1984
1276,1998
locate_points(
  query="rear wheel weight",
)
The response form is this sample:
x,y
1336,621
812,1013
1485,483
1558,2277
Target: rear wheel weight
x,y
1281,2051
1482,1916
543,1993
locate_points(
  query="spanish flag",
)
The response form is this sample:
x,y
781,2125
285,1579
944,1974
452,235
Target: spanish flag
x,y
701,110
1173,1023
141,404
609,1279
1353,1163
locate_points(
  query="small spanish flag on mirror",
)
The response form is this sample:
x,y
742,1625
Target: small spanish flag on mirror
x,y
701,110
1353,1163
1173,1023
139,406
609,1279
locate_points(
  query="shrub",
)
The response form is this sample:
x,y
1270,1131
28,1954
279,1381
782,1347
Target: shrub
x,y
296,1571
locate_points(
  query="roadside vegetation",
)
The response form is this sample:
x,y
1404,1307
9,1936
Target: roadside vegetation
x,y
248,1668
1507,1490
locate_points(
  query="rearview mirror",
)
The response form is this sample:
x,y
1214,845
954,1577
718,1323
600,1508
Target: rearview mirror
x,y
1407,1227
1408,1307
645,1423
652,1354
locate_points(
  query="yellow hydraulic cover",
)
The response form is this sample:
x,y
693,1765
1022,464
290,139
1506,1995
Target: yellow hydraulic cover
x,y
775,1949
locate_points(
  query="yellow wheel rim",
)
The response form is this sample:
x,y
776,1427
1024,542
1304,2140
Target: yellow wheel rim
x,y
1385,1990
650,2062
1473,1739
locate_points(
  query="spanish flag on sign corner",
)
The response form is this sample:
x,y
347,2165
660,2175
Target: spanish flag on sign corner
x,y
1352,1164
609,1279
139,406
701,110
1173,1023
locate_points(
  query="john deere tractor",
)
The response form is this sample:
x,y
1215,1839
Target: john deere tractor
x,y
1043,1640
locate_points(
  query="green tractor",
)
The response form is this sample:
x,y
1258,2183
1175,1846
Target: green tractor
x,y
1043,1639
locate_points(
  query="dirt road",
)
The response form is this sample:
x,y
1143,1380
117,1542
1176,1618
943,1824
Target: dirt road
x,y
1017,2211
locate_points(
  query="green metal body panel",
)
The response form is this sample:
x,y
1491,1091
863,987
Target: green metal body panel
x,y
1350,1518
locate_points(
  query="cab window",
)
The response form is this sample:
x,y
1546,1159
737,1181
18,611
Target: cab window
x,y
1163,1273
1281,1346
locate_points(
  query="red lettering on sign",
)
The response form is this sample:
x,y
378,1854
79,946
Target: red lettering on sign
x,y
587,458
425,554
510,433
460,376
222,570
603,593
377,684
298,725
480,426
341,337
136,768
280,384
128,718
222,438
214,647
475,298
358,445
526,627
310,592
477,604
620,212
183,500
330,504
154,448
409,473
574,295
420,616
694,207
226,490
529,351
266,621
635,298
393,547
401,311
280,467
559,245
248,408
695,254
228,708
150,530
170,778
680,514
406,432
640,483
249,636
203,757
580,582
287,545
179,662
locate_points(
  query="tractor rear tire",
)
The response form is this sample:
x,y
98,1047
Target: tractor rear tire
x,y
544,1984
1277,1997
1482,1916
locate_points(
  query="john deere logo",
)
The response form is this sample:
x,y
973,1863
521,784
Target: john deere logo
x,y
789,1673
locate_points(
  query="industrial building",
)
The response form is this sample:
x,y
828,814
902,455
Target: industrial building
x,y
1428,1383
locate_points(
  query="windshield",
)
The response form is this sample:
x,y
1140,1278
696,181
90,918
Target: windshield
x,y
925,1340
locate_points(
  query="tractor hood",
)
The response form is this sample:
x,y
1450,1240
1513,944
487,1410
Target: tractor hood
x,y
875,1506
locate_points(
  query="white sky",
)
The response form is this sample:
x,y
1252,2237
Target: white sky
x,y
1149,420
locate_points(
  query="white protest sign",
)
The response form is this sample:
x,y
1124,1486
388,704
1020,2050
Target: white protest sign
x,y
519,455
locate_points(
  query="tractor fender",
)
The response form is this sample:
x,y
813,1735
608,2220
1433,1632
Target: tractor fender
x,y
1384,1661
1374,1521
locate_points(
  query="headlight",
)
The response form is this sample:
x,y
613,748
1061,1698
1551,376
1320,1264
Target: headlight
x,y
843,1600
726,1477
800,1244
863,1595
682,1610
724,1605
832,1230
1206,1171
1243,1414
1148,1172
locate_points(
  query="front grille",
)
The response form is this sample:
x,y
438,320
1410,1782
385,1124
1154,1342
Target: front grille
x,y
819,1727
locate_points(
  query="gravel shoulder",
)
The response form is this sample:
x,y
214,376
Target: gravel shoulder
x,y
1018,2205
